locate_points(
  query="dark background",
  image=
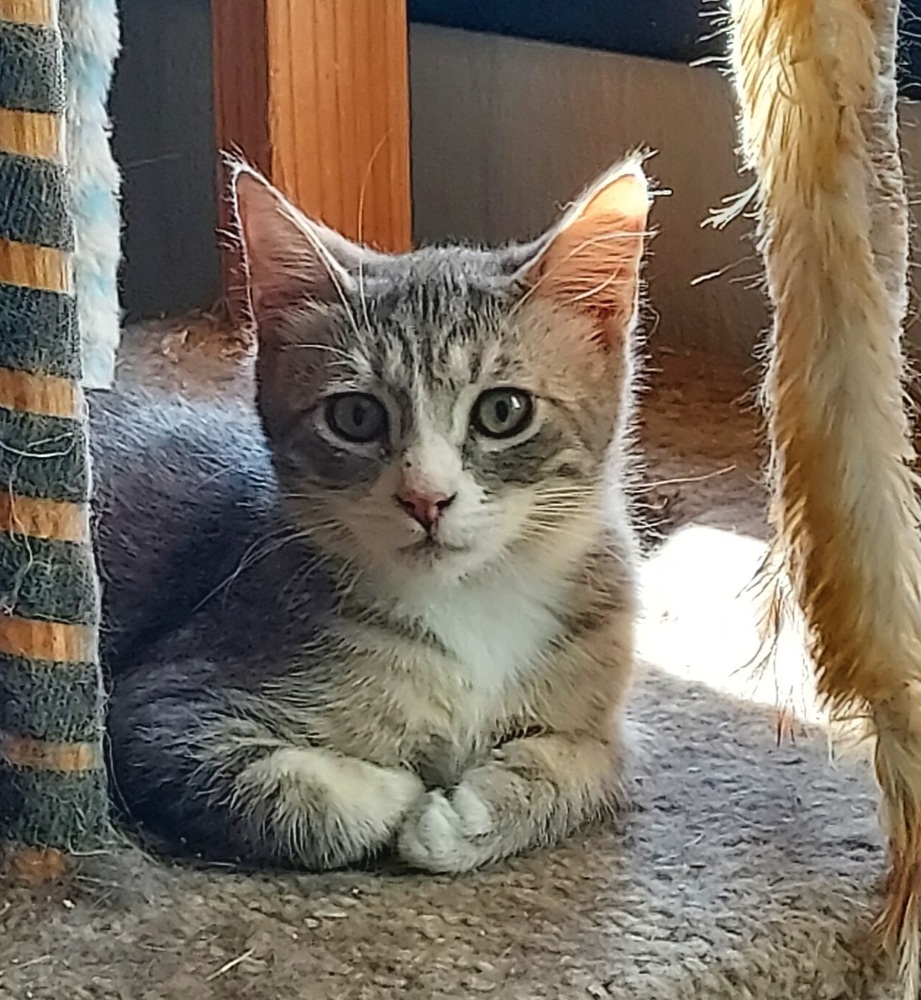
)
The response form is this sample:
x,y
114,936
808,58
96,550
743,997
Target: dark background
x,y
664,29
162,103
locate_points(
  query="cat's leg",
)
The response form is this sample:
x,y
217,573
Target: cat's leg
x,y
218,781
533,792
323,809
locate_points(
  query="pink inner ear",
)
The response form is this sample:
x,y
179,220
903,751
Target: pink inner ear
x,y
286,257
592,263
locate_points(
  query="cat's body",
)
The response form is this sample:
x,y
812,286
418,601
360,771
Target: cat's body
x,y
324,643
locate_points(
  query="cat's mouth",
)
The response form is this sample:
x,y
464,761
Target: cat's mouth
x,y
432,547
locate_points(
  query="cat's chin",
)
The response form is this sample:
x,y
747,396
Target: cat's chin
x,y
430,549
437,562
431,563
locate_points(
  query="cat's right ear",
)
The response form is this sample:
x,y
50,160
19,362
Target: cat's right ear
x,y
290,259
590,261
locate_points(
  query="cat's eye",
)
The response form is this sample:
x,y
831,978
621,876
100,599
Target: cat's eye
x,y
502,413
356,417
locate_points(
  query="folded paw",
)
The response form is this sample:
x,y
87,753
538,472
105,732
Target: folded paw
x,y
452,832
328,809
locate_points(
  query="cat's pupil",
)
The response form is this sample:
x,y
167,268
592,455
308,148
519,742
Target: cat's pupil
x,y
500,413
356,417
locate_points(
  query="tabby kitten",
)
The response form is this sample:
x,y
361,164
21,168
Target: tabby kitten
x,y
402,615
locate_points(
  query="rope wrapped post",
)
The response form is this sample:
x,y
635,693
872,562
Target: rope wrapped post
x,y
817,89
52,778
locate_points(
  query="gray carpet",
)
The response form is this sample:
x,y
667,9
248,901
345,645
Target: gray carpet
x,y
746,869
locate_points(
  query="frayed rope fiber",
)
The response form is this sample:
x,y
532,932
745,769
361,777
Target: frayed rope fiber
x,y
43,456
46,580
35,208
22,310
49,700
31,68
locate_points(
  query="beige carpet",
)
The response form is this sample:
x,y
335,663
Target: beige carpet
x,y
745,869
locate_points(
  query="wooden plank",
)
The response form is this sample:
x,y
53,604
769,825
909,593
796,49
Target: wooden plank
x,y
339,114
241,84
37,12
35,267
41,518
25,751
48,394
30,133
34,866
41,640
316,94
241,122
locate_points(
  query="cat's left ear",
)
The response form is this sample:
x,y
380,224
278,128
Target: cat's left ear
x,y
590,261
291,260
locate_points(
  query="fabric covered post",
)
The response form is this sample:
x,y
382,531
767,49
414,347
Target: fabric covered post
x,y
52,777
816,83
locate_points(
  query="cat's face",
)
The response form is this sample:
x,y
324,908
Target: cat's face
x,y
437,414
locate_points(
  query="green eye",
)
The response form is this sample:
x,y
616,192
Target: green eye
x,y
502,413
356,417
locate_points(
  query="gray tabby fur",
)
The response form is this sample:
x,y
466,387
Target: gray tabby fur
x,y
300,677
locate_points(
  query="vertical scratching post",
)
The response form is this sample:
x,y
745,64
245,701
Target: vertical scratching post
x,y
817,88
52,777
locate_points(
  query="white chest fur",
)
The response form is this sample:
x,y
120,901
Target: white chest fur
x,y
494,628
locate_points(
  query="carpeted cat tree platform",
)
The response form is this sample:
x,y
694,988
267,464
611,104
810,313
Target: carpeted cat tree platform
x,y
816,83
59,323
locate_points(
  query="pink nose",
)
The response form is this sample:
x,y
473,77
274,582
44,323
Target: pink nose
x,y
424,507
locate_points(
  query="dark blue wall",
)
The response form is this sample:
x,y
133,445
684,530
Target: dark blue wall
x,y
665,29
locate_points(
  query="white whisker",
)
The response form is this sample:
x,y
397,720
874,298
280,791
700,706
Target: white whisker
x,y
361,219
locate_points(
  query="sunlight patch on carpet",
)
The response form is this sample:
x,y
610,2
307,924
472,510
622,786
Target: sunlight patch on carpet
x,y
700,622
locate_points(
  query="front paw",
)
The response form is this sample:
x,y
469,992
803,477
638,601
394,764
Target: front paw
x,y
452,832
325,809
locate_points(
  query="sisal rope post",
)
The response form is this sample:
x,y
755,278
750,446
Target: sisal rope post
x,y
52,778
817,89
